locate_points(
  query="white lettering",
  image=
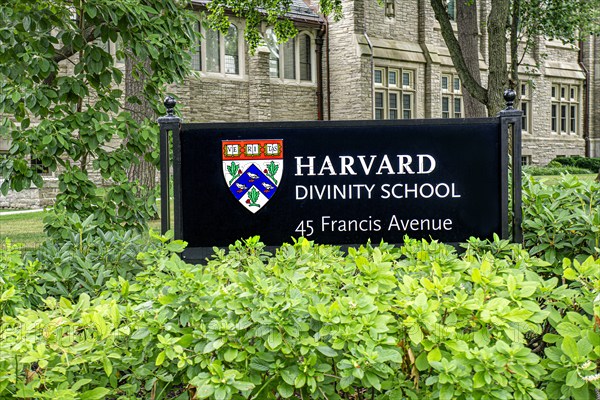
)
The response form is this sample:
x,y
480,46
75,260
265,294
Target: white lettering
x,y
404,163
347,163
310,166
420,157
327,165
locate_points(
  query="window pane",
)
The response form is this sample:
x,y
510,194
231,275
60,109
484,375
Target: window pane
x,y
451,10
554,117
406,79
231,51
574,94
524,90
378,78
393,105
213,61
456,84
289,60
393,100
445,104
392,78
305,58
554,92
457,108
378,100
197,54
271,41
563,118
444,83
524,125
378,105
407,106
573,119
562,92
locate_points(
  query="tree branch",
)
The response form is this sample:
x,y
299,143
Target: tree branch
x,y
67,52
468,81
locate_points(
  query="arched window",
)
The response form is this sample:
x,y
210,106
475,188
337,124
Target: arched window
x,y
292,60
305,57
289,59
232,65
271,41
213,51
217,52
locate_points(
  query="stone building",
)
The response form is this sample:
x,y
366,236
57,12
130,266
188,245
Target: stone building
x,y
388,60
385,60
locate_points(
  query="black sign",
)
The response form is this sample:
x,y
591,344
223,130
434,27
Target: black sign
x,y
340,182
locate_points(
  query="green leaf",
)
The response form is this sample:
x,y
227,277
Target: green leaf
x,y
300,380
569,347
160,358
327,351
286,391
434,355
274,340
567,329
94,394
373,380
243,386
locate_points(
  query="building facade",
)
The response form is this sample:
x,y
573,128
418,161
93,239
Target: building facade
x,y
382,60
388,60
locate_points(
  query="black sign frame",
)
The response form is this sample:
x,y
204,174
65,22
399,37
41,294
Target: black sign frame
x,y
508,122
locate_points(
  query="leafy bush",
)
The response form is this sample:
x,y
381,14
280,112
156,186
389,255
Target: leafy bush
x,y
413,322
87,258
592,164
553,169
561,220
17,277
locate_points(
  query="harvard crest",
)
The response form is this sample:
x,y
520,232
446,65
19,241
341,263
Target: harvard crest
x,y
253,170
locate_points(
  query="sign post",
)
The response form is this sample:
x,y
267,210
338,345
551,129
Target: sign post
x,y
345,182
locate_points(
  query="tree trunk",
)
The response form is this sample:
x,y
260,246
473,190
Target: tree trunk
x,y
468,81
514,50
498,72
468,37
142,172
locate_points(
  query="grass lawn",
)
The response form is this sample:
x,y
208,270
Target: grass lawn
x,y
28,229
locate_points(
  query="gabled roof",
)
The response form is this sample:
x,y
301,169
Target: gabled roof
x,y
299,11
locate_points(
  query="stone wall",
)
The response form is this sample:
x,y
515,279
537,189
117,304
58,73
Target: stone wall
x,y
33,197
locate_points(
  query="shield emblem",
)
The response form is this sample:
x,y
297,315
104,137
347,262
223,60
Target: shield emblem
x,y
253,170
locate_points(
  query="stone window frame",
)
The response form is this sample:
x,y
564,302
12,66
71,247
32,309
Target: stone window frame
x,y
565,108
525,97
452,105
199,57
394,98
279,55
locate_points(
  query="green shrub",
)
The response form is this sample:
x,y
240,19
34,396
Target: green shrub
x,y
414,322
17,281
85,259
592,164
561,220
553,169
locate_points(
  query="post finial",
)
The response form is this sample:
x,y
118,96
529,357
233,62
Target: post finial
x,y
170,104
510,96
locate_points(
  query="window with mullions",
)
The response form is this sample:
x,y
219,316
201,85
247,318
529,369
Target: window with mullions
x,y
292,60
451,97
564,118
526,107
217,52
394,93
